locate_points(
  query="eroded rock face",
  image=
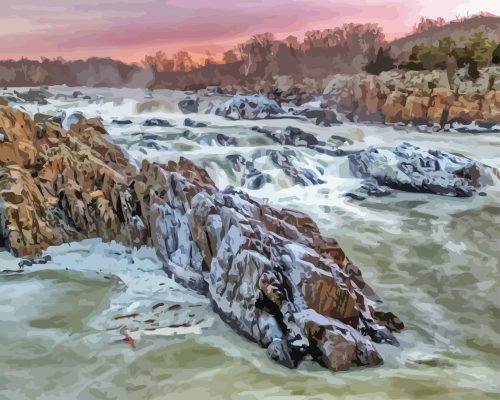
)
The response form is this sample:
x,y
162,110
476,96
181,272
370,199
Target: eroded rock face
x,y
270,273
410,168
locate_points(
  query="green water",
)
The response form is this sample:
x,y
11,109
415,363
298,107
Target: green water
x,y
53,349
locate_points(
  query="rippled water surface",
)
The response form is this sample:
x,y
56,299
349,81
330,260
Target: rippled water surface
x,y
433,259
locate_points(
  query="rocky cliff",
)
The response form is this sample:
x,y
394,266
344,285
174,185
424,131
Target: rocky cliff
x,y
270,273
417,97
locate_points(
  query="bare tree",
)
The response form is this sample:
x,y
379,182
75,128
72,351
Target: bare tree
x,y
158,62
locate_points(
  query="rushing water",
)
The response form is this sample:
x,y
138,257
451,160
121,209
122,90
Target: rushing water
x,y
433,259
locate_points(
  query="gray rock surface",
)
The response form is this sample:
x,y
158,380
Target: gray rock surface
x,y
189,106
410,168
249,107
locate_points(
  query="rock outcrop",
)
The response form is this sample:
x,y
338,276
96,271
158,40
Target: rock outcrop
x,y
419,97
248,107
270,273
410,168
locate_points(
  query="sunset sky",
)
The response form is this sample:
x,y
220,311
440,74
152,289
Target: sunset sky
x,y
128,29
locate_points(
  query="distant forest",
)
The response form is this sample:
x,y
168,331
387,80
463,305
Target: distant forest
x,y
433,44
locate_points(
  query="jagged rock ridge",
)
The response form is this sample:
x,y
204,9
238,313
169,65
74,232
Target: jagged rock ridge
x,y
270,273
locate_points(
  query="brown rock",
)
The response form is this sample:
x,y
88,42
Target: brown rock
x,y
416,108
418,96
394,106
491,107
465,109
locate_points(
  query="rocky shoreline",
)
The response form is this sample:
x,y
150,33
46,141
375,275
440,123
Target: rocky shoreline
x,y
270,273
410,97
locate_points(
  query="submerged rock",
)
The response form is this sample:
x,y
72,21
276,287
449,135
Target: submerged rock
x,y
189,106
193,124
410,168
67,120
369,187
320,116
189,135
158,122
270,274
33,260
122,121
355,196
225,140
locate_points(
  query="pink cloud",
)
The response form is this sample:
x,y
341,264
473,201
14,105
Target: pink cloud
x,y
127,29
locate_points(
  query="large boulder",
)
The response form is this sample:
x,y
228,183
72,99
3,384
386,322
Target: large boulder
x,y
410,168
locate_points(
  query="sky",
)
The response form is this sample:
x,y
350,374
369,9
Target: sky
x,y
128,29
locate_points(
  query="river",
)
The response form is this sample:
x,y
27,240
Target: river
x,y
432,259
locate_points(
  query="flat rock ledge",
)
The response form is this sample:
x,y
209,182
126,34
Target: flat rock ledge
x,y
269,273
